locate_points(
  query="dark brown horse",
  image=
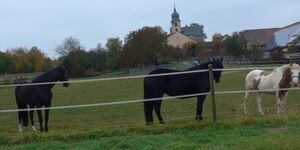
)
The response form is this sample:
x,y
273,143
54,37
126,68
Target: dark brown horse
x,y
177,85
37,96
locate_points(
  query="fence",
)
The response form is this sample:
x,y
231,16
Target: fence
x,y
212,92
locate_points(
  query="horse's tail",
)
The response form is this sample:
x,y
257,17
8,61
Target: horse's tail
x,y
22,115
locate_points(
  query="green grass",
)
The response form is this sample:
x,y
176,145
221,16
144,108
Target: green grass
x,y
122,126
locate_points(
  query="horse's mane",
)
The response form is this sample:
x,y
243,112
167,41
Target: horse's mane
x,y
201,66
46,77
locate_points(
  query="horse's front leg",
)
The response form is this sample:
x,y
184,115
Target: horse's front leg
x,y
279,102
31,118
199,107
40,117
47,116
284,99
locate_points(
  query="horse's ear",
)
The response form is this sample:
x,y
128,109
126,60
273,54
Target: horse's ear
x,y
221,59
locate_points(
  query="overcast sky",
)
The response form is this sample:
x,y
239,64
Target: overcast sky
x,y
46,23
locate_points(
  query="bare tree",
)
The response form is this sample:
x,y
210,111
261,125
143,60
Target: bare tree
x,y
69,44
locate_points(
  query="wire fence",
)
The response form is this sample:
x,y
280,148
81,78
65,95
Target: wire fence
x,y
143,100
134,77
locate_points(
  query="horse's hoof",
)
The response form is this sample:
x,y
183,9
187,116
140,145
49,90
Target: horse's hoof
x,y
20,128
162,122
33,128
198,118
149,123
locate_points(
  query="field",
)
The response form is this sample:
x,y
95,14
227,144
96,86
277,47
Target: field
x,y
122,126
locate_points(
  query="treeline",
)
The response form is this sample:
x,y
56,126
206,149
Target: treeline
x,y
23,60
144,47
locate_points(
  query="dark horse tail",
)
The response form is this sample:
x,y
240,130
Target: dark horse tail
x,y
22,115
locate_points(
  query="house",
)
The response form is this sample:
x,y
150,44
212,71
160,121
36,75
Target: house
x,y
276,48
258,37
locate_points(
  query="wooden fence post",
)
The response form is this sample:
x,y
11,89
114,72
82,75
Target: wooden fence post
x,y
212,92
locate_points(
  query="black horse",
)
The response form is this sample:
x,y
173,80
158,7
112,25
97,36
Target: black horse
x,y
176,85
37,96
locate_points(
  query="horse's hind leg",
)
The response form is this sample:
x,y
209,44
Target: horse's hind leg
x,y
40,118
157,106
246,102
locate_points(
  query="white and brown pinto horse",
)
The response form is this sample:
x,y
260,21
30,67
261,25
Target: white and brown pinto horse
x,y
272,82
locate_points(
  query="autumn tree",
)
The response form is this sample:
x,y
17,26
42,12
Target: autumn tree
x,y
22,60
114,48
97,58
76,62
143,46
234,45
5,63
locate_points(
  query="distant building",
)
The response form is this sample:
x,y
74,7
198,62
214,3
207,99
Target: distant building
x,y
181,35
276,48
258,37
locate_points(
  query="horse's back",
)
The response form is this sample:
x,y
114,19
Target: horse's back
x,y
162,70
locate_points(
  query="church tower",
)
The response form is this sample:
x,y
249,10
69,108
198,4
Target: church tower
x,y
175,22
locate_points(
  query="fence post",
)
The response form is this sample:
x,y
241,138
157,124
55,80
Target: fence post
x,y
212,92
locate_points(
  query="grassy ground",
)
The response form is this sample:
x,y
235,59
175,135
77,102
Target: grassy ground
x,y
122,126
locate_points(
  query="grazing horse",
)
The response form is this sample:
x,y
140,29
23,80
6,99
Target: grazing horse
x,y
177,85
37,96
270,82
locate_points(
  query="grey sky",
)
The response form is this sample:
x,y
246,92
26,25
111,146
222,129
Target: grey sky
x,y
46,23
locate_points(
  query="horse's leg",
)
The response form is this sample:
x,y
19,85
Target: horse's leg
x,y
279,103
148,109
284,102
47,116
20,120
31,118
199,107
40,118
157,106
258,102
246,102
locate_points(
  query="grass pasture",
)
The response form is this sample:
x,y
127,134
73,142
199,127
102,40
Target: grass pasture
x,y
122,126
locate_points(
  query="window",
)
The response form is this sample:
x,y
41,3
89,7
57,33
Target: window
x,y
176,30
175,24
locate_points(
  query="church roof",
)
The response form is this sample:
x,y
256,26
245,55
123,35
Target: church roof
x,y
194,30
175,16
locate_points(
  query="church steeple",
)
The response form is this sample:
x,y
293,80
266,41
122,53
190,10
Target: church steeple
x,y
175,22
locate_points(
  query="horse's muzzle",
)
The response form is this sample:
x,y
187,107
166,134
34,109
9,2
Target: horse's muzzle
x,y
295,81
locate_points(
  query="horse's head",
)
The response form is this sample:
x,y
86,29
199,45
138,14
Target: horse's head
x,y
217,64
62,75
295,69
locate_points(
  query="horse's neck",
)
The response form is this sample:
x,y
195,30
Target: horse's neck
x,y
47,77
279,71
200,67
